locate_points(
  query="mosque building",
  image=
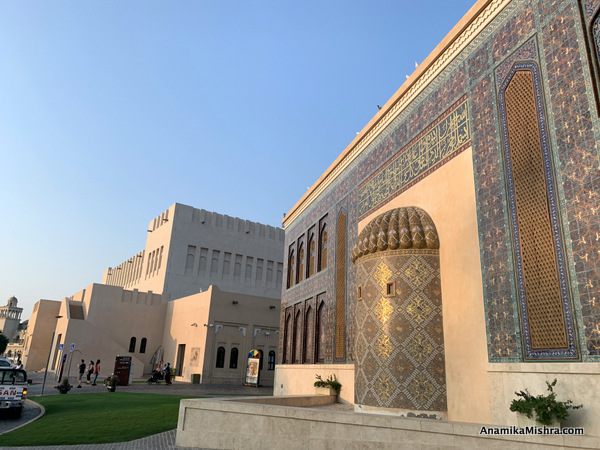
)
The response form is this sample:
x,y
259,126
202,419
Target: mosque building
x,y
450,255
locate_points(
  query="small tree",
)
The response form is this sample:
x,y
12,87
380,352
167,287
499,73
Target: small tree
x,y
3,343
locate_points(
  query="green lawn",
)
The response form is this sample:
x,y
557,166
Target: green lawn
x,y
97,418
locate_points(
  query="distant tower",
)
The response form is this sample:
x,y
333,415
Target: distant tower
x,y
10,317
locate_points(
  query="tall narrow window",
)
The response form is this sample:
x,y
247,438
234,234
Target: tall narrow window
x,y
220,358
132,345
291,268
309,336
323,248
143,345
260,360
340,292
286,339
312,255
301,262
271,361
321,322
297,359
233,358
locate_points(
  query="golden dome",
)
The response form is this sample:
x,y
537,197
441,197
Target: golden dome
x,y
397,229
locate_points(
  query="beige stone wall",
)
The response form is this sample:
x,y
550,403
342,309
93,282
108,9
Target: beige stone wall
x,y
39,330
248,324
207,423
448,196
576,381
298,379
100,320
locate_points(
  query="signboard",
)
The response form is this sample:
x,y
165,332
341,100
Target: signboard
x,y
61,347
123,369
253,368
72,347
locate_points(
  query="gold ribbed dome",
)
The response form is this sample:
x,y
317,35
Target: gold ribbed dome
x,y
397,229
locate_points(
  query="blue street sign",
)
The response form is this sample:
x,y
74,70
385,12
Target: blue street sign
x,y
60,347
72,347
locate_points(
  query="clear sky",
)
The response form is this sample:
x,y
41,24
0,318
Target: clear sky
x,y
111,111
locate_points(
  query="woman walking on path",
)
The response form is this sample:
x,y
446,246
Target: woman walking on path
x,y
90,371
96,372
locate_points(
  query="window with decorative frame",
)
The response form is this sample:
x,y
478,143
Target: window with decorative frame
x,y
300,262
291,268
323,245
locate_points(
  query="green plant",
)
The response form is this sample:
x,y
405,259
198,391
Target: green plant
x,y
545,406
63,386
330,382
112,380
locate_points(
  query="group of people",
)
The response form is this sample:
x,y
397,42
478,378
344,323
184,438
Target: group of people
x,y
92,369
167,371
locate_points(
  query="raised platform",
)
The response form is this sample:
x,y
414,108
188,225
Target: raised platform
x,y
297,422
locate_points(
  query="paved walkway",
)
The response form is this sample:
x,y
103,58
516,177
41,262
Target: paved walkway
x,y
162,441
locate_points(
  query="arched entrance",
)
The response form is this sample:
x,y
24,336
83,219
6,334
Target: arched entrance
x,y
400,362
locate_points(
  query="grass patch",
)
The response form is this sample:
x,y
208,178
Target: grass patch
x,y
98,418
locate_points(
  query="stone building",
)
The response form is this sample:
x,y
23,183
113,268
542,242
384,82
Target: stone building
x,y
449,256
202,294
12,327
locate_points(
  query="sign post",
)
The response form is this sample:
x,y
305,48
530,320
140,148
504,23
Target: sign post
x,y
123,369
253,369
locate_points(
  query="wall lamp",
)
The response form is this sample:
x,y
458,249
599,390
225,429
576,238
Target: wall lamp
x,y
209,325
235,302
272,307
149,231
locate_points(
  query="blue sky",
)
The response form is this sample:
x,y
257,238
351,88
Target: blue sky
x,y
112,111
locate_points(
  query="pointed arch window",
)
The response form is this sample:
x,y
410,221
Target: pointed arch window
x,y
312,255
291,268
309,336
297,357
287,339
323,244
301,262
320,337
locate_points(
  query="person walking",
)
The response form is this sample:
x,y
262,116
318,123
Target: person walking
x,y
81,372
168,373
96,372
90,371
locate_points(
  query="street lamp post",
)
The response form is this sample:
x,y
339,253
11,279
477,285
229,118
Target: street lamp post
x,y
49,353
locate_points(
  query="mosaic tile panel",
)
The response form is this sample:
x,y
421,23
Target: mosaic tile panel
x,y
399,339
576,145
546,313
441,141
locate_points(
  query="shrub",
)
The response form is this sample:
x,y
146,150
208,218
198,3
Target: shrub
x,y
546,407
331,382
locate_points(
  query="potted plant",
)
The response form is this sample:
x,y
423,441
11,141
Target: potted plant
x,y
544,408
64,386
330,386
111,382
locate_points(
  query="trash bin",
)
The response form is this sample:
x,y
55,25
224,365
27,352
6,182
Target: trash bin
x,y
195,378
